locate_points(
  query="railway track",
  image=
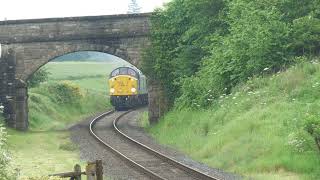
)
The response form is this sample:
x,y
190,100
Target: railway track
x,y
148,161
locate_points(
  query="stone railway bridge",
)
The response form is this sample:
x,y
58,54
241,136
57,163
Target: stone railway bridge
x,y
26,45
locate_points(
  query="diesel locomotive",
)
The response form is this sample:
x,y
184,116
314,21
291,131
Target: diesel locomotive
x,y
128,88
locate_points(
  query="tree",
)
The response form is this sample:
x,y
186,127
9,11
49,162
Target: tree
x,y
133,7
180,38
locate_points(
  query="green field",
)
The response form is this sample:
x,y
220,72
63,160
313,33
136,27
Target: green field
x,y
88,75
69,70
257,131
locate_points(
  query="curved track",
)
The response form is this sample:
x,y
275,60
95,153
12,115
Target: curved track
x,y
143,158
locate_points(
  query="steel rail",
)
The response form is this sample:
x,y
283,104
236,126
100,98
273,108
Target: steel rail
x,y
186,168
133,163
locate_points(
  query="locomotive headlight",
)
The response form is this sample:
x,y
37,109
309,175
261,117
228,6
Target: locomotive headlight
x,y
112,90
133,90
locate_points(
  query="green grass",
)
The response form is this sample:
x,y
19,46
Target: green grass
x,y
95,85
47,114
257,131
67,70
92,76
40,154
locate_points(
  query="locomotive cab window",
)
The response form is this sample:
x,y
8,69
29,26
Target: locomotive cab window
x,y
124,70
131,72
115,73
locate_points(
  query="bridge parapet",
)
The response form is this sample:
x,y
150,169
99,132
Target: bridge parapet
x,y
75,28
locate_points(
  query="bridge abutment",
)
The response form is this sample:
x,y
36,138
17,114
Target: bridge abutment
x,y
21,106
158,104
13,93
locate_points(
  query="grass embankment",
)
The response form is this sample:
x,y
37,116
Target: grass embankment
x,y
58,105
257,131
74,90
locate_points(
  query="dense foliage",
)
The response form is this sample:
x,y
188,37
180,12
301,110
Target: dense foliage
x,y
66,92
202,49
180,40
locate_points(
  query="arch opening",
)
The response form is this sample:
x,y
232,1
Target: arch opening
x,y
76,82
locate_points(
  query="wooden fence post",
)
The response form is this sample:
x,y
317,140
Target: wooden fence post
x,y
99,170
94,171
91,171
77,170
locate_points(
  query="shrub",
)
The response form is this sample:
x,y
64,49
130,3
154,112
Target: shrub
x,y
312,126
66,92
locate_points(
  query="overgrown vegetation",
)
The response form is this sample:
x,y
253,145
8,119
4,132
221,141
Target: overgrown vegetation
x,y
214,45
73,90
260,130
57,105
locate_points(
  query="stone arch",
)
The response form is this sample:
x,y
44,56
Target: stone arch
x,y
30,59
27,58
68,49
